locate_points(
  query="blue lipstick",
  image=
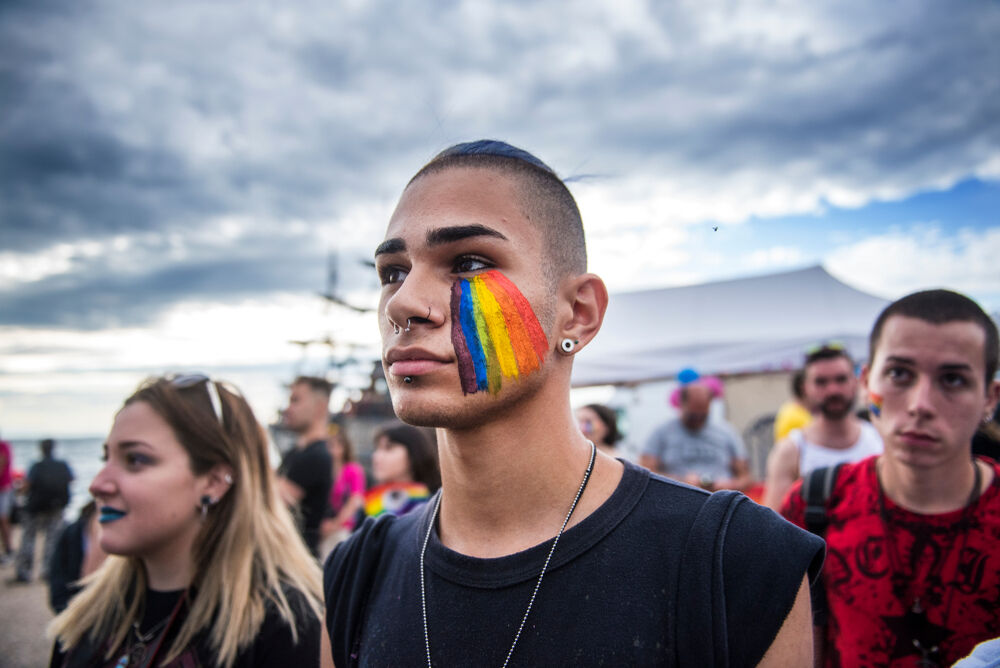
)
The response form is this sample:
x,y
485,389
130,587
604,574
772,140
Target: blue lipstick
x,y
109,514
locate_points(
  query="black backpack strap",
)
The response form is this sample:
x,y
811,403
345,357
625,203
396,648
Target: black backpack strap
x,y
816,490
702,634
817,487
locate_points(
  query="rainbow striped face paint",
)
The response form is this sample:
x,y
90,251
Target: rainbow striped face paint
x,y
874,404
495,332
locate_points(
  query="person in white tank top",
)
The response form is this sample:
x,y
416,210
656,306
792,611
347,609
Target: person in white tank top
x,y
835,435
816,456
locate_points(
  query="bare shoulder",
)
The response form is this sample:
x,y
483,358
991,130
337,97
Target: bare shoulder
x,y
784,454
793,646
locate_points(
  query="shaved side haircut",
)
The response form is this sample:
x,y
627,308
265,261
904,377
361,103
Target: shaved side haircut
x,y
938,307
545,199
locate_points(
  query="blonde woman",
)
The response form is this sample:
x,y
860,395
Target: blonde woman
x,y
207,567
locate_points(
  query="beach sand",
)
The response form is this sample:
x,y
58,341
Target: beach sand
x,y
24,614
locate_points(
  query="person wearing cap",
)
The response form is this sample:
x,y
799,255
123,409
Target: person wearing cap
x,y
693,449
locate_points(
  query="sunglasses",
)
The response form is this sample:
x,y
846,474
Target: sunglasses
x,y
835,346
194,379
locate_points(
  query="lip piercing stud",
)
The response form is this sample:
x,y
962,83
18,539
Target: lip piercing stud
x,y
407,380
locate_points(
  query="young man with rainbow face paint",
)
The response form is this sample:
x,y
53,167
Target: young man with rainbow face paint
x,y
913,571
539,549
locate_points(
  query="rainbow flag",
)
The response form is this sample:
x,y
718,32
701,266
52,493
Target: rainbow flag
x,y
395,498
495,332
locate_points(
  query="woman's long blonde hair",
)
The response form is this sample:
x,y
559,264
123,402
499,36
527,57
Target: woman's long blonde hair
x,y
247,552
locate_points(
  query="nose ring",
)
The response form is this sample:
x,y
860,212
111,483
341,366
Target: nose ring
x,y
409,321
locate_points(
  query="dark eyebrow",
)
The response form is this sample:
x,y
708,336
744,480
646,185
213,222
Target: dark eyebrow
x,y
948,366
128,445
956,366
390,246
900,360
447,235
441,236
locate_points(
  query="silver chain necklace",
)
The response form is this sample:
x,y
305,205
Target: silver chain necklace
x,y
135,652
538,584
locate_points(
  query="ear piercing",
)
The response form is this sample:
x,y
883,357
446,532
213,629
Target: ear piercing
x,y
206,501
228,478
568,345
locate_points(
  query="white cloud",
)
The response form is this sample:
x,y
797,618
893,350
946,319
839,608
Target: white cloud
x,y
927,256
82,377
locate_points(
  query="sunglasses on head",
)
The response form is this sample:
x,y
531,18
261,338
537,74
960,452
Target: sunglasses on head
x,y
194,379
835,346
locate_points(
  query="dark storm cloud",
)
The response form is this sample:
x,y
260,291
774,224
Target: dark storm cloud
x,y
115,300
95,299
124,119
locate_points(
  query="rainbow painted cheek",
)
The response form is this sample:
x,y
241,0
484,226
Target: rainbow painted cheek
x,y
495,333
874,404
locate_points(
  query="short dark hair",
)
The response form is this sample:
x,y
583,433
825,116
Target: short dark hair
x,y
545,199
610,420
826,351
47,445
422,453
938,307
798,383
316,384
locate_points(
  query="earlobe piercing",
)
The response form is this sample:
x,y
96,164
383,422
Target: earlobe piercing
x,y
206,501
568,345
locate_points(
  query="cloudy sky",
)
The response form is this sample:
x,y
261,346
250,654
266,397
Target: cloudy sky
x,y
175,176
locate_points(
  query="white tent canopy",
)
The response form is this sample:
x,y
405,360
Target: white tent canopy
x,y
749,325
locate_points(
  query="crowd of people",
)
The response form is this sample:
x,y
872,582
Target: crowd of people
x,y
875,543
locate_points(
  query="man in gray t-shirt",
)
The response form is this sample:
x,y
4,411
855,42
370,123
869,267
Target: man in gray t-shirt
x,y
695,451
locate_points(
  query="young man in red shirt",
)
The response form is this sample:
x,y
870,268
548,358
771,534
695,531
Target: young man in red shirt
x,y
912,575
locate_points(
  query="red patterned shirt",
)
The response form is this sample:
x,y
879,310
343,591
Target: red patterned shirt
x,y
901,581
